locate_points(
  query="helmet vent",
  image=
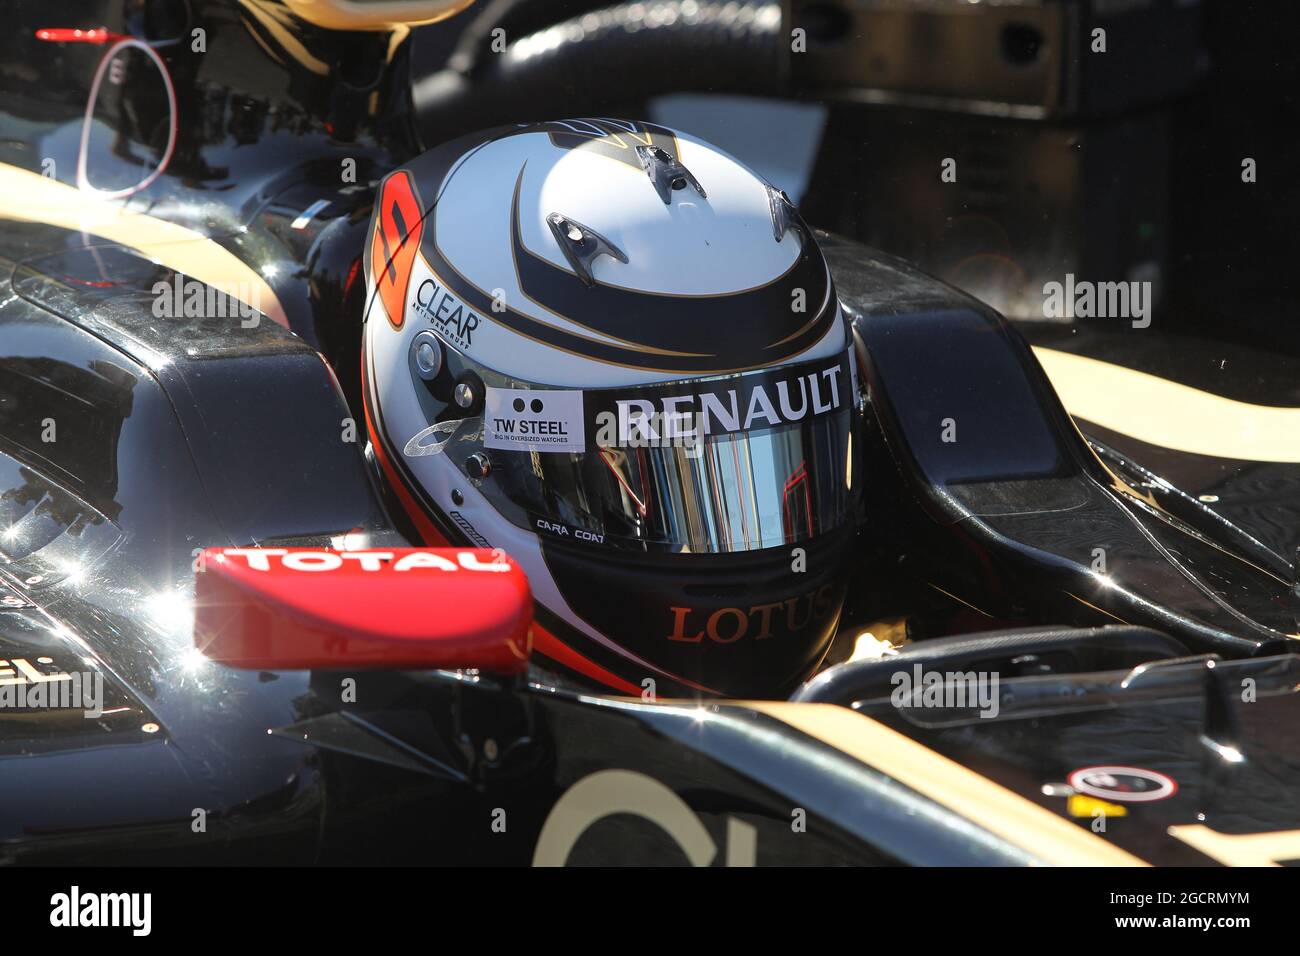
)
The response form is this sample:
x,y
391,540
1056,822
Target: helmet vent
x,y
666,173
581,245
784,215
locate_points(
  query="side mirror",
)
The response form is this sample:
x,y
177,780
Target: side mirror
x,y
396,609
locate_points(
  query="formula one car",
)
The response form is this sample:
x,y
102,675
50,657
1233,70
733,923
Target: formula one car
x,y
1058,627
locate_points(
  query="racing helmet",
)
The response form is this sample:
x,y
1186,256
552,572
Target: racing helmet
x,y
613,351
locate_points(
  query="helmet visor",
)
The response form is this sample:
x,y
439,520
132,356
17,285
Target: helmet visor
x,y
722,464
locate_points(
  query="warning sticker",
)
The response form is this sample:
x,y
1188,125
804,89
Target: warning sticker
x,y
1124,784
520,419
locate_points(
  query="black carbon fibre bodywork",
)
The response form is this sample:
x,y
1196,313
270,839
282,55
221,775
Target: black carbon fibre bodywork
x,y
211,433
1018,506
129,440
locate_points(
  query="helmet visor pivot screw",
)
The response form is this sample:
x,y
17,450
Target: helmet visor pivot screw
x,y
468,393
477,466
427,351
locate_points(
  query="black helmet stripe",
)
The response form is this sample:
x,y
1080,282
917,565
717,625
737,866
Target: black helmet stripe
x,y
676,334
741,329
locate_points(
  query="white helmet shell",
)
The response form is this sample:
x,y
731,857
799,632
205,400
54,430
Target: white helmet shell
x,y
487,240
603,264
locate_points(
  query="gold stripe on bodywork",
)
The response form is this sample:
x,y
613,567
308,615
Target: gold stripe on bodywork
x,y
1021,822
1169,414
374,14
31,197
270,18
1241,849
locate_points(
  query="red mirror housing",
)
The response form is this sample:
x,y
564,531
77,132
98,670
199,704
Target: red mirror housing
x,y
399,609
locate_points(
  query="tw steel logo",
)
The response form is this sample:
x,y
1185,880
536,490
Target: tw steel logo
x,y
395,243
727,625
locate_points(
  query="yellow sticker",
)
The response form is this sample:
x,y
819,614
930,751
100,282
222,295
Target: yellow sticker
x,y
1084,806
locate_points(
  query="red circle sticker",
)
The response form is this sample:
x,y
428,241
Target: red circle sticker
x,y
1123,784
